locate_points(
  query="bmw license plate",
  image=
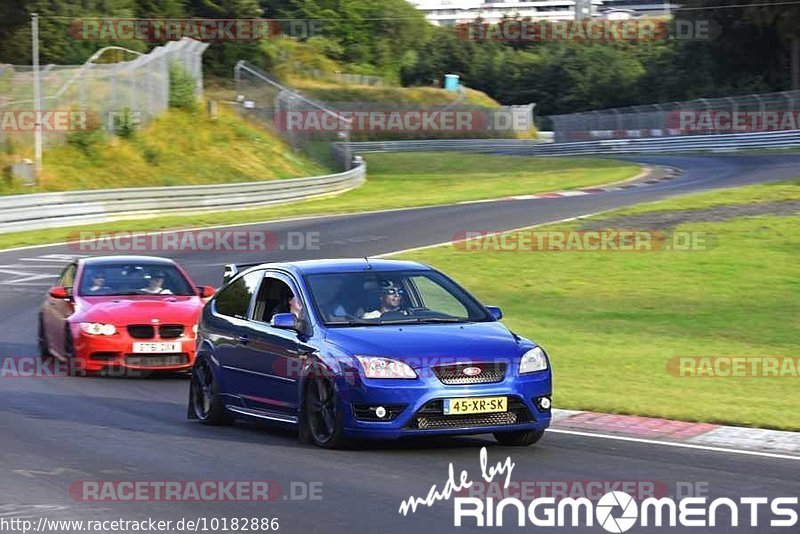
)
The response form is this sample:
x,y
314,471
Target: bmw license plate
x,y
475,405
156,347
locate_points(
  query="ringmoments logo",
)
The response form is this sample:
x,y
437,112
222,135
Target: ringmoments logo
x,y
615,511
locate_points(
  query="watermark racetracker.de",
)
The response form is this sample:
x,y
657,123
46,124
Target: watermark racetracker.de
x,y
612,240
404,120
194,490
67,120
734,366
600,30
200,29
223,240
728,121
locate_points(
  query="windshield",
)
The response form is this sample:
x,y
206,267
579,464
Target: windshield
x,y
134,279
396,297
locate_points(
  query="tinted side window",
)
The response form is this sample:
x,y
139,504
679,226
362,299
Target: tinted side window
x,y
67,278
234,299
273,297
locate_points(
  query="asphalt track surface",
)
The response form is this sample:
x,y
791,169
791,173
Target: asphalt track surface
x,y
56,431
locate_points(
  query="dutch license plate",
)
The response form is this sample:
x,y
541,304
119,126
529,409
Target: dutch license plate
x,y
156,347
475,405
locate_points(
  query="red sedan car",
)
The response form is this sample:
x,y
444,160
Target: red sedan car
x,y
122,312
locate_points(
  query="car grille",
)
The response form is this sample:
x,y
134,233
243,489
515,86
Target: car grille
x,y
453,374
103,356
157,360
463,421
430,416
141,331
170,331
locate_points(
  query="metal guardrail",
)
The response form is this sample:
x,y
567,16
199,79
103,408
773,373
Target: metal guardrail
x,y
54,210
433,145
599,147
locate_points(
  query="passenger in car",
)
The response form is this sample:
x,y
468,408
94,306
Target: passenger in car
x,y
155,285
289,304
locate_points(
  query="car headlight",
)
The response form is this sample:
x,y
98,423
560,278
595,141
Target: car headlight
x,y
378,367
533,360
99,329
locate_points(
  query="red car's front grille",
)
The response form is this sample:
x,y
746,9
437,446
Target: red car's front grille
x,y
170,331
157,360
146,331
142,331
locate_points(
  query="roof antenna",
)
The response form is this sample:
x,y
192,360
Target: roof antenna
x,y
366,259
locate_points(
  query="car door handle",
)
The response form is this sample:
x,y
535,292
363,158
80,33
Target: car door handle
x,y
244,340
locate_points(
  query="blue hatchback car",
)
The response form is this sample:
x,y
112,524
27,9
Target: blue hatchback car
x,y
365,349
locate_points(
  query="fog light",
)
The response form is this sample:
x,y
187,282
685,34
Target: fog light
x,y
544,402
380,412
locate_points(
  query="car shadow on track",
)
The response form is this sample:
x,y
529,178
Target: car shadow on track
x,y
416,443
148,415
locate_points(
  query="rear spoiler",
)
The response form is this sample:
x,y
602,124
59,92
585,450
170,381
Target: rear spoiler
x,y
232,269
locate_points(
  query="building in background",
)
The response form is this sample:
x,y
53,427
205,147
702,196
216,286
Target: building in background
x,y
619,9
452,12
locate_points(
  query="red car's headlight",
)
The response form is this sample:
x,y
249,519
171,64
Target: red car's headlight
x,y
98,329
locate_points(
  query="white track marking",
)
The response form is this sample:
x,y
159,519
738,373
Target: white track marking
x,y
445,243
46,260
674,444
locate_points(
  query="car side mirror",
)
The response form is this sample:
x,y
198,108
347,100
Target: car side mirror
x,y
495,312
284,321
205,292
59,292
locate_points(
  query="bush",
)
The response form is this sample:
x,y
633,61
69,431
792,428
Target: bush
x,y
181,88
125,124
87,139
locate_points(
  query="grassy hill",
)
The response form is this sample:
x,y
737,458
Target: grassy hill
x,y
178,148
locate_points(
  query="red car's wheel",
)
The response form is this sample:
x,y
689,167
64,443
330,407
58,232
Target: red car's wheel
x,y
69,352
44,350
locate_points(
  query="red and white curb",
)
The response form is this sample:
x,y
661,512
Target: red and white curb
x,y
666,174
776,443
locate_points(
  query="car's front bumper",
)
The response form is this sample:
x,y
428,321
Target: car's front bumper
x,y
95,353
421,407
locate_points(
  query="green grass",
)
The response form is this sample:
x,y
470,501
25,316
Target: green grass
x,y
178,148
770,192
611,320
395,181
328,91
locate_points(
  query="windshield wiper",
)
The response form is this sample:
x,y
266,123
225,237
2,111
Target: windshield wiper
x,y
353,323
441,320
422,320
